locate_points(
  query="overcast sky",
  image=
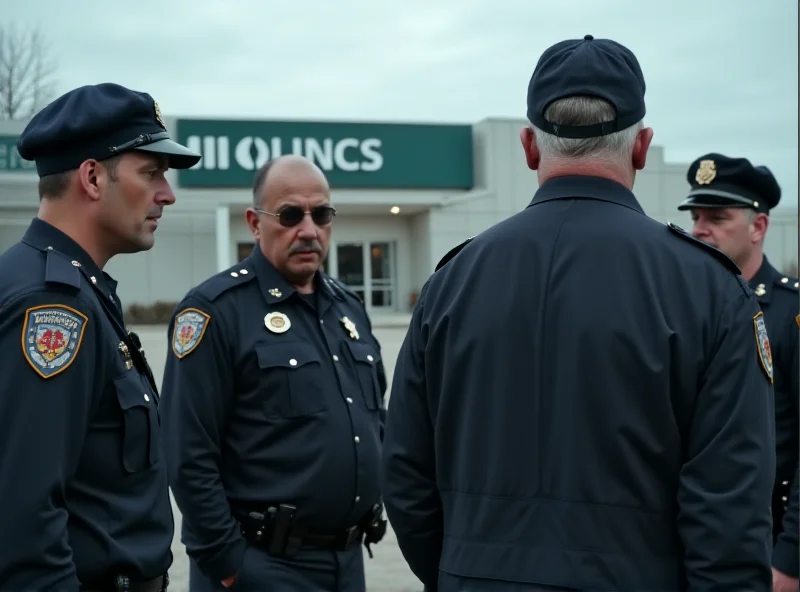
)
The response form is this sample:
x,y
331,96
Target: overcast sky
x,y
721,74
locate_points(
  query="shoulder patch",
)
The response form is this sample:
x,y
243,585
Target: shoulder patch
x,y
797,320
762,341
218,284
190,327
451,254
51,337
722,257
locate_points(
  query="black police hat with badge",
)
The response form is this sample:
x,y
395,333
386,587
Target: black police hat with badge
x,y
718,181
96,122
599,68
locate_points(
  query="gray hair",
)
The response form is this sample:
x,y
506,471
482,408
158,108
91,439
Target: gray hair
x,y
582,110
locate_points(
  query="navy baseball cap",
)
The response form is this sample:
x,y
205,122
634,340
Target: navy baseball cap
x,y
587,67
718,181
98,122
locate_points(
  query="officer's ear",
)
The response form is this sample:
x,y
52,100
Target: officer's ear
x,y
253,222
640,148
758,228
528,139
90,176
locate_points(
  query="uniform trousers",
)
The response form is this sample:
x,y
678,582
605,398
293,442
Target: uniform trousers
x,y
308,571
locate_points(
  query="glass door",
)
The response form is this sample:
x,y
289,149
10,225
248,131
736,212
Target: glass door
x,y
350,266
381,280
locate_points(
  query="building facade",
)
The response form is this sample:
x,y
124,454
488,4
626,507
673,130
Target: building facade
x,y
405,194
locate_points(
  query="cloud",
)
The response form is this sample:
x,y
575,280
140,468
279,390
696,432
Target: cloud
x,y
721,74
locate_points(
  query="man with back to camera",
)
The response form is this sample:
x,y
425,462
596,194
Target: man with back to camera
x,y
578,418
274,408
730,201
84,499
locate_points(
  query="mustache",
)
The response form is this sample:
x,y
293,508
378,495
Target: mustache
x,y
306,246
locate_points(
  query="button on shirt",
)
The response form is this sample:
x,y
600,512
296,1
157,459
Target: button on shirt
x,y
84,493
271,396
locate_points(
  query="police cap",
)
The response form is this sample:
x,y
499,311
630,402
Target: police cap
x,y
718,181
589,67
98,122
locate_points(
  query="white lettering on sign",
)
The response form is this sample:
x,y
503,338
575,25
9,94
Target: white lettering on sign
x,y
249,153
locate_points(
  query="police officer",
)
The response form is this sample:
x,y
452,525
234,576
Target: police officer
x,y
582,400
730,201
84,499
274,410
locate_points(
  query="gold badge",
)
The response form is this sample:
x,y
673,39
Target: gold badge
x,y
126,355
762,342
706,172
797,320
350,326
277,322
760,290
158,115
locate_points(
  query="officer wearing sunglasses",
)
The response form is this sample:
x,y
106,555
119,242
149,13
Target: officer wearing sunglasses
x,y
273,406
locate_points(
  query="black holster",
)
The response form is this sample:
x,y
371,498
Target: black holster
x,y
374,527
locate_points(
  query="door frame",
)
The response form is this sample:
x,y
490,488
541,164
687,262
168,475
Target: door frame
x,y
366,260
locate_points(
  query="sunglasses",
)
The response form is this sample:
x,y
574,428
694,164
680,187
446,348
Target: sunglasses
x,y
293,215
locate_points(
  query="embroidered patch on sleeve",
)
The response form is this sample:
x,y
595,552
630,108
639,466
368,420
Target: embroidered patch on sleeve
x,y
190,326
51,338
797,320
762,341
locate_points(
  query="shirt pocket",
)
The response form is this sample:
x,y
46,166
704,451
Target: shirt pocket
x,y
290,380
140,422
366,357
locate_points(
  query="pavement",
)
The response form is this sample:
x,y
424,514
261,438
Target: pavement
x,y
387,571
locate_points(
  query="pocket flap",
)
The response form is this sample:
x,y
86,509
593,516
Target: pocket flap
x,y
364,352
131,392
285,355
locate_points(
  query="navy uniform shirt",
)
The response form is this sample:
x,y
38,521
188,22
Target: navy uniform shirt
x,y
270,397
777,295
84,492
580,402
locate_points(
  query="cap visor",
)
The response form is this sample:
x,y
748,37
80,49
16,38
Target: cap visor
x,y
705,201
180,157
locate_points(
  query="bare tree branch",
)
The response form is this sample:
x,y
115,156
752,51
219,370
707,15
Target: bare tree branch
x,y
27,71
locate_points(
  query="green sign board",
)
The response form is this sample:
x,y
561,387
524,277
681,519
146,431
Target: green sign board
x,y
10,160
355,155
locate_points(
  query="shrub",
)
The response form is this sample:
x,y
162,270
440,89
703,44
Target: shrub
x,y
158,313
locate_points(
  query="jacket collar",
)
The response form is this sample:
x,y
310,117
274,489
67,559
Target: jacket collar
x,y
764,280
44,236
586,187
274,287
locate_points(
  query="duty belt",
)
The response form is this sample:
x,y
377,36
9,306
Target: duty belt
x,y
275,532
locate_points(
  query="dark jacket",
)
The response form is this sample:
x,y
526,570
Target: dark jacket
x,y
580,402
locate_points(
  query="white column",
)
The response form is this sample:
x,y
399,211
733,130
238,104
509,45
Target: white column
x,y
223,234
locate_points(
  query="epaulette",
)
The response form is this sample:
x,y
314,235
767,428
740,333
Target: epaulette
x,y
451,254
722,257
788,283
218,284
342,288
59,269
